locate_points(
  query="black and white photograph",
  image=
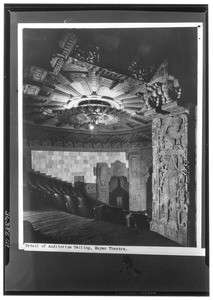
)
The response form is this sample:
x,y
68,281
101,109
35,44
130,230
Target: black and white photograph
x,y
106,150
109,128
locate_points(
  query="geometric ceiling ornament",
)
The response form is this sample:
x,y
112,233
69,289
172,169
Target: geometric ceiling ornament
x,y
93,117
78,92
92,112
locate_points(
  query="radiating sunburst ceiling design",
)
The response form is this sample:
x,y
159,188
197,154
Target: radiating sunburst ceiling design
x,y
78,93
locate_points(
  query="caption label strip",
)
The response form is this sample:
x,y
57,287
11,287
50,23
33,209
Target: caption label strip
x,y
74,248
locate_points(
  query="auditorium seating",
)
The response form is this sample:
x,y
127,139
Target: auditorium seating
x,y
113,214
44,192
49,192
110,214
138,220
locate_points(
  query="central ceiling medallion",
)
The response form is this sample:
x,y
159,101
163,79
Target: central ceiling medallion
x,y
92,112
94,100
96,117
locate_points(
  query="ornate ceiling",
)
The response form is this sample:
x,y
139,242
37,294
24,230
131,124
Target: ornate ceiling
x,y
77,95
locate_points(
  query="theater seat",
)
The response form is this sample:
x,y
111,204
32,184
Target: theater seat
x,y
137,220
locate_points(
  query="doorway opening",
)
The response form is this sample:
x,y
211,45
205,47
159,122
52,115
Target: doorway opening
x,y
119,192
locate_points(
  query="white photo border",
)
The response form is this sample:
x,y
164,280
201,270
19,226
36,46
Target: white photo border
x,y
150,250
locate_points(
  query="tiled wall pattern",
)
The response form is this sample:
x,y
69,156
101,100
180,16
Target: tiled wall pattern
x,y
65,165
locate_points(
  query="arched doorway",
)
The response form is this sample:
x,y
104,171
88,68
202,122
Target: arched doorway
x,y
105,175
119,192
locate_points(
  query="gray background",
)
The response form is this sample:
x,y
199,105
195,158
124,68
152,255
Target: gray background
x,y
84,273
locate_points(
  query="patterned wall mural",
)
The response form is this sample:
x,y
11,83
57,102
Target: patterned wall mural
x,y
65,165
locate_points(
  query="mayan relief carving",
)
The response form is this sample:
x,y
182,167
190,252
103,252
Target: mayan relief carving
x,y
135,165
81,146
134,179
139,164
170,178
103,176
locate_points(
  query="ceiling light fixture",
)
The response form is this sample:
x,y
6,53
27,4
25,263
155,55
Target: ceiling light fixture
x,y
93,100
91,127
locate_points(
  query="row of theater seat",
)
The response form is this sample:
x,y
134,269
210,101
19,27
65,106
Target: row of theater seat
x,y
51,193
118,215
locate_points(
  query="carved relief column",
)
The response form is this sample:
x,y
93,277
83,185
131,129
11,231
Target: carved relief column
x,y
103,177
139,162
134,182
170,178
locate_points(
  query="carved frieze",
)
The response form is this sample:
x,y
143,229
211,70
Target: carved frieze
x,y
68,145
73,146
83,140
46,143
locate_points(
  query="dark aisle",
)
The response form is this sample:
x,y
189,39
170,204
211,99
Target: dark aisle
x,y
62,227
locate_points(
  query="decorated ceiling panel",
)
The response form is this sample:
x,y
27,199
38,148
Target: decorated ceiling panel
x,y
97,81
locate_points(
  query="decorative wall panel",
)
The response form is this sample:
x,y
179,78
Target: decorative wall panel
x,y
134,180
139,164
170,178
66,164
103,177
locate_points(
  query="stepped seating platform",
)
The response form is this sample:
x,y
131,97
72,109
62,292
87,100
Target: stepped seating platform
x,y
54,226
43,192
